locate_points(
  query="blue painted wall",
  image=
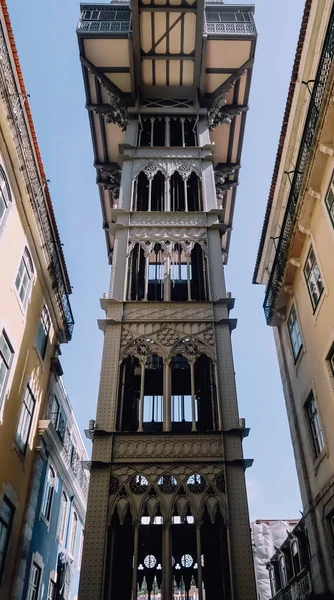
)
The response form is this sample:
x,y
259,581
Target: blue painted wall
x,y
44,539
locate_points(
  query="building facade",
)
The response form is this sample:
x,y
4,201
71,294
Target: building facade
x,y
35,314
50,559
295,264
289,566
267,536
167,86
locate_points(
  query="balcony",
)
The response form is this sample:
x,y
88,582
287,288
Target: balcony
x,y
221,20
103,19
300,588
306,146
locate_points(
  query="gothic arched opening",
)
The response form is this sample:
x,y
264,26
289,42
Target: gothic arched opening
x,y
199,286
194,193
181,399
129,394
153,394
205,392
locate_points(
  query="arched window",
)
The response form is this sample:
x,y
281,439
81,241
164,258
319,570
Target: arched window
x,y
153,394
24,275
141,192
272,581
129,394
205,393
282,571
48,493
199,283
181,400
295,557
149,194
180,274
62,517
5,197
177,193
194,193
73,536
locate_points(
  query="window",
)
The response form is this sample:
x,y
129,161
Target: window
x,y
51,590
6,359
272,581
317,435
24,277
34,582
6,519
313,278
74,528
282,571
62,517
295,557
57,419
82,535
26,416
330,200
43,332
330,359
294,332
48,493
5,196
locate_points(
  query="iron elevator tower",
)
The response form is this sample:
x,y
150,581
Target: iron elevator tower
x,y
167,85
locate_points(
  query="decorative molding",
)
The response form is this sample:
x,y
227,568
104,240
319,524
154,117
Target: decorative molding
x,y
167,312
151,449
149,219
110,179
168,153
187,238
167,167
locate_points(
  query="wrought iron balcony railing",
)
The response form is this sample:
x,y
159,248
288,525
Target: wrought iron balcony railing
x,y
317,96
299,588
101,19
222,22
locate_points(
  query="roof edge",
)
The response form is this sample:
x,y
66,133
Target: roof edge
x,y
286,117
35,142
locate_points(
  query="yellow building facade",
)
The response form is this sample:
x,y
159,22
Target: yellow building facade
x,y
296,264
35,314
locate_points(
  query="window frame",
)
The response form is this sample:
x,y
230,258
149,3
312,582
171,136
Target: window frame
x,y
330,191
7,525
48,495
310,278
330,359
315,425
7,203
22,424
62,517
8,364
292,332
73,534
33,594
43,332
52,582
28,269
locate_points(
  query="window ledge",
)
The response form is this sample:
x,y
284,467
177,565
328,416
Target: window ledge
x,y
316,311
45,521
319,459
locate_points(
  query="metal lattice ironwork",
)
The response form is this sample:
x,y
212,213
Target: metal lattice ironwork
x,y
14,101
317,97
231,28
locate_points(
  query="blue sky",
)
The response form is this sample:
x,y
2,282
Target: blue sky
x,y
48,51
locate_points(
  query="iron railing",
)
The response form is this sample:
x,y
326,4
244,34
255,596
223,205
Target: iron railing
x,y
231,28
299,588
59,424
102,19
317,96
14,101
